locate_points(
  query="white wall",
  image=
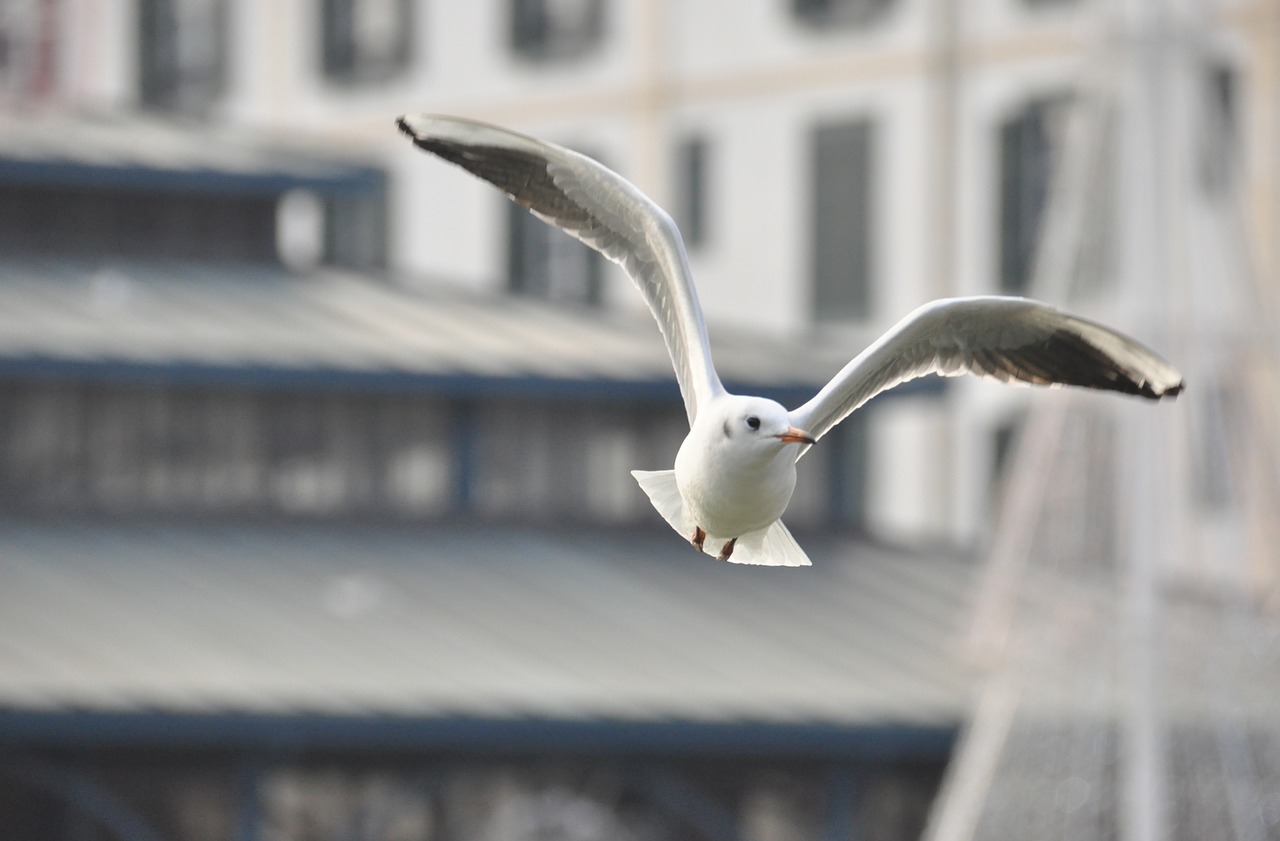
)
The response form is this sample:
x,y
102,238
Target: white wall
x,y
97,69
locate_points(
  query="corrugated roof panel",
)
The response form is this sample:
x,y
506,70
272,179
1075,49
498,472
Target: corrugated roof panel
x,y
475,622
258,317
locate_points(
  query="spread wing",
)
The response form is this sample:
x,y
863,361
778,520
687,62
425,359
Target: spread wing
x,y
597,206
1013,340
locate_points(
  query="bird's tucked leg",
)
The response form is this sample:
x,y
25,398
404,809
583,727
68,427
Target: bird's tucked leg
x,y
699,537
726,550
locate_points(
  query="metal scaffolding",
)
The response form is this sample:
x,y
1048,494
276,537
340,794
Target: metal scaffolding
x,y
1128,626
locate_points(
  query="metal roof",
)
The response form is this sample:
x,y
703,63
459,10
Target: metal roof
x,y
143,153
451,634
260,324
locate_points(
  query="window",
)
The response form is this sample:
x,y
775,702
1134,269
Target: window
x,y
245,225
1026,165
1218,135
349,794
366,40
842,213
144,450
691,190
355,230
822,13
142,224
545,262
1003,441
183,53
542,29
1222,419
585,451
848,468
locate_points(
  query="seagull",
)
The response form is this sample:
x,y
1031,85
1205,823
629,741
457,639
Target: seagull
x,y
735,471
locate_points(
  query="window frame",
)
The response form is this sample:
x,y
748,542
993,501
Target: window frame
x,y
167,82
535,33
340,48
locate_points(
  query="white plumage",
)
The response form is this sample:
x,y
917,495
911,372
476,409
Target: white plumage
x,y
735,472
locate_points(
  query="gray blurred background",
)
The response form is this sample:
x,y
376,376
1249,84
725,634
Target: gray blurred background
x,y
315,514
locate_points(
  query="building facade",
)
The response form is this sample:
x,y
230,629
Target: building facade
x,y
833,164
291,523
200,330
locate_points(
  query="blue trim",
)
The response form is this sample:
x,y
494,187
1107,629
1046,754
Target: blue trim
x,y
339,180
456,385
89,730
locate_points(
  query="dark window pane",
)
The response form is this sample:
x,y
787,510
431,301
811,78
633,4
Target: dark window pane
x,y
356,231
182,51
1026,166
1218,135
1221,422
691,189
70,221
149,224
1004,439
545,262
839,12
847,494
366,40
842,202
544,29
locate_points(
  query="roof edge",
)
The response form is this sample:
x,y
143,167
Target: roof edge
x,y
408,734
455,384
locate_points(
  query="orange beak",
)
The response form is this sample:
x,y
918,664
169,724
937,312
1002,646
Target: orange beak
x,y
794,435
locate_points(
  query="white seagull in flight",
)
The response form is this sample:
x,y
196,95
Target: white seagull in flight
x,y
736,470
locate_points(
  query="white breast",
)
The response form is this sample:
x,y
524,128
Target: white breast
x,y
728,492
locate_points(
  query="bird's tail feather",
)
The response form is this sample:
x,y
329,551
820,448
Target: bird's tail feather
x,y
770,546
660,486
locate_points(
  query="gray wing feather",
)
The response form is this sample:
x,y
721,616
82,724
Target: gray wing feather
x,y
1013,340
600,208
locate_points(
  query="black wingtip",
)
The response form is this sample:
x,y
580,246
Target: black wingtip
x,y
1144,388
425,143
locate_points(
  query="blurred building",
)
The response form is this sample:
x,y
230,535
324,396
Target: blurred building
x,y
302,552
832,164
301,542
307,553
317,520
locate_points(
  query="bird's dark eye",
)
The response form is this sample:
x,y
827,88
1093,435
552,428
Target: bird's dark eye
x,y
753,422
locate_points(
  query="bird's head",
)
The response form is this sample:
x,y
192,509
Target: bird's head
x,y
755,425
